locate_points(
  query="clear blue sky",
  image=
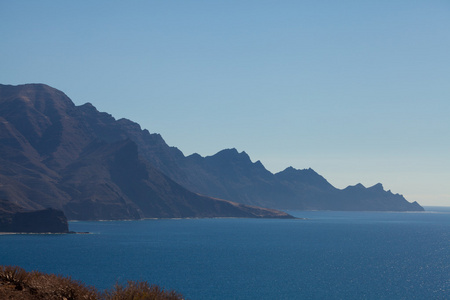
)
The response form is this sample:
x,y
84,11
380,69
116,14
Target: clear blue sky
x,y
357,90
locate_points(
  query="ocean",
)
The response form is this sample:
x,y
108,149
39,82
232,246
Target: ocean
x,y
327,255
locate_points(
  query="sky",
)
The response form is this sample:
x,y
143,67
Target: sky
x,y
357,90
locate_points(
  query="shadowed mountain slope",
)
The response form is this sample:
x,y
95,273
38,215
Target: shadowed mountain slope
x,y
93,166
226,175
232,175
54,155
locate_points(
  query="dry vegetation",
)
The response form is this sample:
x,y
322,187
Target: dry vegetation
x,y
16,283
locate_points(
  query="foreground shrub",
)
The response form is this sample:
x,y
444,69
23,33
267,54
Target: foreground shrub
x,y
50,286
16,283
14,275
139,290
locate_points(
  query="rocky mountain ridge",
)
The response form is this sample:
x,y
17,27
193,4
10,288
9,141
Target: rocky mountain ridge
x,y
52,156
92,166
229,174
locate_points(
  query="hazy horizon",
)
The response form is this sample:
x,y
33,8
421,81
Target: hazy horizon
x,y
357,91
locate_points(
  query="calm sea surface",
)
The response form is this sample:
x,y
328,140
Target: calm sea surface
x,y
331,255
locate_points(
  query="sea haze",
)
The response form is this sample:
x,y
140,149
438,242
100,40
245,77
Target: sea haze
x,y
330,255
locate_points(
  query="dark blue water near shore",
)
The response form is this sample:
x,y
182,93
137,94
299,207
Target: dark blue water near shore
x,y
332,255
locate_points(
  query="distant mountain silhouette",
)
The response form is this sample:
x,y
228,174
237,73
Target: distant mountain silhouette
x,y
92,166
53,155
232,175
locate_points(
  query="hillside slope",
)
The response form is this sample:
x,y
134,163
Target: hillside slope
x,y
87,163
51,155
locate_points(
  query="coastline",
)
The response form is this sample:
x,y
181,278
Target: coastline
x,y
43,233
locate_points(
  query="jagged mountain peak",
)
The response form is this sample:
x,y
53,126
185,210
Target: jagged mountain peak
x,y
360,186
292,170
227,158
227,152
230,155
304,177
377,186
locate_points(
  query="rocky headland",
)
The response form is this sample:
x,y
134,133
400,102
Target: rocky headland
x,y
16,219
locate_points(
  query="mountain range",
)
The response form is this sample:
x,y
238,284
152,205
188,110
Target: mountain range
x,y
92,166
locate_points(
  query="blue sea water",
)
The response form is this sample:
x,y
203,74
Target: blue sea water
x,y
330,255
